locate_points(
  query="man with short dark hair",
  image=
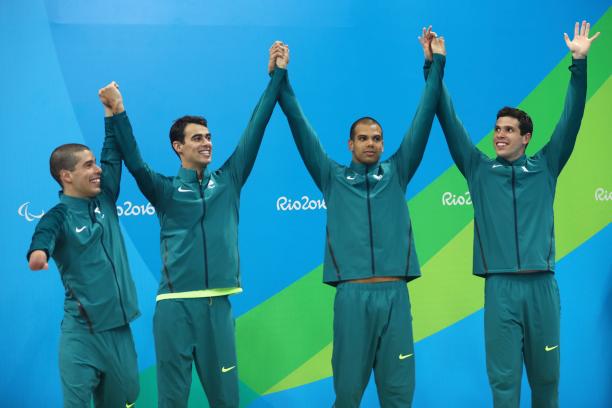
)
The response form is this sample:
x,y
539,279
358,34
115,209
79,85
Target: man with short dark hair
x,y
514,243
369,252
97,357
198,215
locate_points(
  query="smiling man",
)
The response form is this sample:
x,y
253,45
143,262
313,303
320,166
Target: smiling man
x,y
369,250
97,357
198,216
514,241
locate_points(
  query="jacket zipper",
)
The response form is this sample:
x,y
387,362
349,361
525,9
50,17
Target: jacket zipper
x,y
94,219
516,239
370,222
204,233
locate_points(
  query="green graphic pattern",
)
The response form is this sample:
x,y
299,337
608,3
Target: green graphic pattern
x,y
285,342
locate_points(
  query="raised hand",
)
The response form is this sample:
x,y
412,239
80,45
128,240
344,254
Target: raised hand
x,y
438,46
581,43
425,40
279,56
38,260
111,98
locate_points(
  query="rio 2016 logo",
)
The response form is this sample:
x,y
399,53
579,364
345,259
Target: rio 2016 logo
x,y
131,210
602,194
451,199
303,204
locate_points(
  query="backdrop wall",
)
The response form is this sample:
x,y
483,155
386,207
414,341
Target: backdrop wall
x,y
348,59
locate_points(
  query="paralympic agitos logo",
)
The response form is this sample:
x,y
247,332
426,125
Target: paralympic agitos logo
x,y
24,211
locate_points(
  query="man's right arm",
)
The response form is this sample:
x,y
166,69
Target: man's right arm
x,y
316,160
149,182
461,147
46,235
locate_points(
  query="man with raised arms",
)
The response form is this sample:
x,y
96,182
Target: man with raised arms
x,y
514,241
198,214
369,249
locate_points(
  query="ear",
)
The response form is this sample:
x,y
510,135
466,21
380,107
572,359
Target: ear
x,y
177,146
65,176
350,144
526,138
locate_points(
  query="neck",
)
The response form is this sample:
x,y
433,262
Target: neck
x,y
198,169
72,193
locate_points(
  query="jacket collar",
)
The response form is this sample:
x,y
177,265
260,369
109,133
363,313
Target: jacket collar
x,y
191,176
77,203
518,162
361,168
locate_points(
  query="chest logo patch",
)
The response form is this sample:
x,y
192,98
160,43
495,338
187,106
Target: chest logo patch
x,y
184,190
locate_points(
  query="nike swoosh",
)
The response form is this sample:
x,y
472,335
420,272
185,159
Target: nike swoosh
x,y
182,190
525,169
129,405
350,177
549,348
496,165
377,177
225,370
405,356
77,229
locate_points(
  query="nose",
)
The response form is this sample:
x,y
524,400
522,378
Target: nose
x,y
98,169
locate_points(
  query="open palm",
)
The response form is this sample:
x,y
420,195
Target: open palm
x,y
581,43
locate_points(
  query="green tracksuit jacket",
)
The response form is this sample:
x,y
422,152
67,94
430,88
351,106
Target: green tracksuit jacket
x,y
199,220
368,225
84,238
513,202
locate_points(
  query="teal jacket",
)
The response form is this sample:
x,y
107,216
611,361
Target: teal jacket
x,y
368,229
513,201
199,220
84,238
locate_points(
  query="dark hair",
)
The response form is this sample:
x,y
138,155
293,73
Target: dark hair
x,y
366,120
525,123
177,130
63,158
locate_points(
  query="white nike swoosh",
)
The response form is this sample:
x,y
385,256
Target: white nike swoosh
x,y
182,190
77,229
496,165
525,169
350,177
225,370
377,177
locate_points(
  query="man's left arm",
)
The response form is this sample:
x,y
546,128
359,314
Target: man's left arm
x,y
243,158
558,150
410,153
110,159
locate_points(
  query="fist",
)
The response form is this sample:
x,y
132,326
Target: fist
x,y
279,56
38,260
111,97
